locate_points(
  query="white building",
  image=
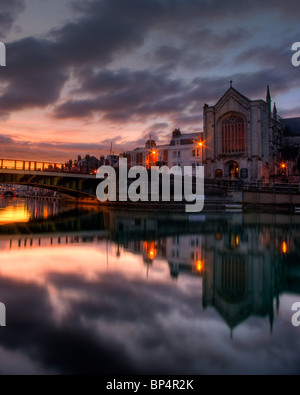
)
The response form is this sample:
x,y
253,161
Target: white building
x,y
183,150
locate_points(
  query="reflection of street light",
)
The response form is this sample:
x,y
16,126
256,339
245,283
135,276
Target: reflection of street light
x,y
284,247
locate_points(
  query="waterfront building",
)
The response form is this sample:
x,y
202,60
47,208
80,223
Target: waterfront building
x,y
183,150
242,139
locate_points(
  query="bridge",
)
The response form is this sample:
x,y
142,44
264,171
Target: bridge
x,y
48,175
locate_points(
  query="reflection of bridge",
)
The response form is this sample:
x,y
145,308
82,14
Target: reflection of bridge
x,y
47,175
57,239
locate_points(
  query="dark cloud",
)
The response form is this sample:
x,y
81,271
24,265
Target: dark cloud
x,y
6,139
9,9
139,96
123,95
33,75
190,42
212,40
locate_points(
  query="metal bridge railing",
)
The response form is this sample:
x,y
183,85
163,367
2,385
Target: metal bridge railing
x,y
22,165
11,164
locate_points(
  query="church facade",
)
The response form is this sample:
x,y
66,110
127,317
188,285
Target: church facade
x,y
243,138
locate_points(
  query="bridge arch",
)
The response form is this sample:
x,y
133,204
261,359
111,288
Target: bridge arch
x,y
73,185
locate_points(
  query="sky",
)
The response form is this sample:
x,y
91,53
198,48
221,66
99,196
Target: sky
x,y
81,75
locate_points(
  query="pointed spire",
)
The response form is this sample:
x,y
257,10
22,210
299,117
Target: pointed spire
x,y
268,95
268,98
275,111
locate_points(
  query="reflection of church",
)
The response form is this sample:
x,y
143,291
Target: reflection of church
x,y
244,139
241,276
244,266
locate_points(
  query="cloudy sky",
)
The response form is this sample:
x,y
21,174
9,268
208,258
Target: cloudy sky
x,y
82,74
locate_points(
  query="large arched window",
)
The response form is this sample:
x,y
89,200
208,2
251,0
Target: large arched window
x,y
233,134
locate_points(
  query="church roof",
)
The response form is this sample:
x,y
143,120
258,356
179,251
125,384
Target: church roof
x,y
231,89
292,126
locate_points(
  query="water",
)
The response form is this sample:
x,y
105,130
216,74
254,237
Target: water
x,y
114,292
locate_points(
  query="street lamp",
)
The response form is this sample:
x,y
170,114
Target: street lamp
x,y
201,143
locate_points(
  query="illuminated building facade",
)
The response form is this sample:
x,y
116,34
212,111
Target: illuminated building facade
x,y
184,149
244,138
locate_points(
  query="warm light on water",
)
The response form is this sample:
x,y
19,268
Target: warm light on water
x,y
14,212
284,247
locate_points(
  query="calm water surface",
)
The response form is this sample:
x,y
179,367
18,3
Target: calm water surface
x,y
115,292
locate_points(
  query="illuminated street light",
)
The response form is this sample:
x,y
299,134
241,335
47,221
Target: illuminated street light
x,y
199,266
201,143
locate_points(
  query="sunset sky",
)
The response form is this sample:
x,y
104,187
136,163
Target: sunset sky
x,y
83,74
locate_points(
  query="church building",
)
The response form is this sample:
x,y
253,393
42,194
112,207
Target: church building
x,y
243,138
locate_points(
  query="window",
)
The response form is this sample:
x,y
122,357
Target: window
x,y
193,152
233,135
219,173
165,155
139,159
176,154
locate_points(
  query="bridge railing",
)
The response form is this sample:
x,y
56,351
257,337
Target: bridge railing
x,y
11,164
253,186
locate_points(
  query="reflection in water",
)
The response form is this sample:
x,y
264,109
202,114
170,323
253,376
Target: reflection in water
x,y
115,292
13,211
20,210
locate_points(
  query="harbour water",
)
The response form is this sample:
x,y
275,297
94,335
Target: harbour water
x,y
116,292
